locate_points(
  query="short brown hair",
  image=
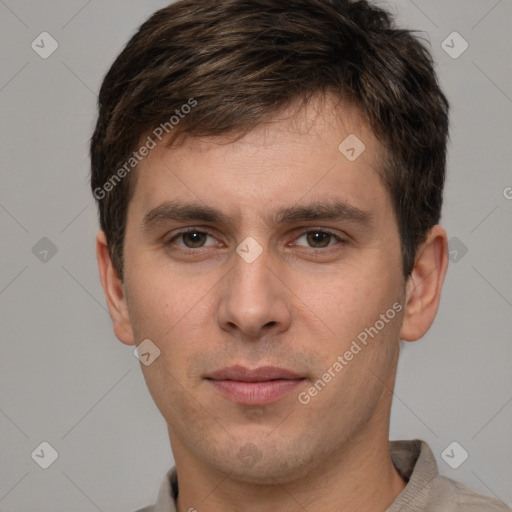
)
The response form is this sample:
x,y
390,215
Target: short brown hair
x,y
241,61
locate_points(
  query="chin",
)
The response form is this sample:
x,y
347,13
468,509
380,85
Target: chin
x,y
260,463
266,474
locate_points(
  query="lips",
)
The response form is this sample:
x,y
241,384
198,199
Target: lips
x,y
257,387
262,374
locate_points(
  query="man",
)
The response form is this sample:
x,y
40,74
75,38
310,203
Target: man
x,y
269,179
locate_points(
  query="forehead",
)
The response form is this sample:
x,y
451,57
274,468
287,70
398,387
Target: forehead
x,y
321,153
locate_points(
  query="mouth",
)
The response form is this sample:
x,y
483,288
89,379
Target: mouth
x,y
259,386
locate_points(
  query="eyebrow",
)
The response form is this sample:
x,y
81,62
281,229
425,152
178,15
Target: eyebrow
x,y
178,211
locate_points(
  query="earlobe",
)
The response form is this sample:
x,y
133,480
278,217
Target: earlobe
x,y
114,291
423,288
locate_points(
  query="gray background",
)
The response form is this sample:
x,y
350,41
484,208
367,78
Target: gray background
x,y
64,377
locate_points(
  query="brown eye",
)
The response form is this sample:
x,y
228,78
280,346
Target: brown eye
x,y
319,239
191,239
194,239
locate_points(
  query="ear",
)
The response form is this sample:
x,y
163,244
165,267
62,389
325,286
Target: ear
x,y
423,288
114,291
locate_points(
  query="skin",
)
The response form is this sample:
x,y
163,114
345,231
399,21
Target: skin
x,y
299,305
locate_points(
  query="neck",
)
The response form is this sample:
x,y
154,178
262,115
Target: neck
x,y
359,476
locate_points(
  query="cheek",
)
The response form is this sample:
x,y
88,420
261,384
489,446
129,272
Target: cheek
x,y
347,300
366,342
178,404
177,315
160,302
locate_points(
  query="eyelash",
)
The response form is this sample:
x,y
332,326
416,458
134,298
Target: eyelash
x,y
311,250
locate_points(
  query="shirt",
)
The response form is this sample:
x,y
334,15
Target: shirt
x,y
426,489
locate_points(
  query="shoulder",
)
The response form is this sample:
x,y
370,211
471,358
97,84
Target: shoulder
x,y
446,491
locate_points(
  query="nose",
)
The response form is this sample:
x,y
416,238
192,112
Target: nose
x,y
253,301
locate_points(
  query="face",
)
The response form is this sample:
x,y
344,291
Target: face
x,y
275,250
